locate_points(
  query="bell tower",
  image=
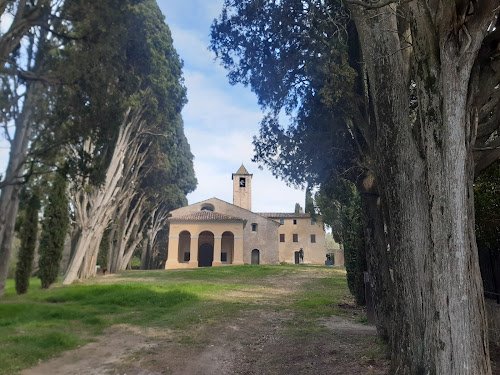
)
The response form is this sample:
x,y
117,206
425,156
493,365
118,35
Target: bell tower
x,y
242,188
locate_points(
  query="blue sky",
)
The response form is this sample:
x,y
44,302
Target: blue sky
x,y
220,120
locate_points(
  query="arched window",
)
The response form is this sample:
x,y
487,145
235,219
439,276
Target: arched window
x,y
207,207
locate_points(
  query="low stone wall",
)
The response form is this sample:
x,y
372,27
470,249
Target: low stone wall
x,y
338,256
493,316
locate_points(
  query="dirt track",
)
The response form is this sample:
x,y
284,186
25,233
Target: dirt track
x,y
259,341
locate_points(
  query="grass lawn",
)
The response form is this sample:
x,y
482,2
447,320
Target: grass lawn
x,y
42,323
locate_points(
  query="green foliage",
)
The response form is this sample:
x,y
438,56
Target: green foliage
x,y
28,234
103,255
297,208
487,215
120,56
295,56
487,208
54,228
309,206
340,207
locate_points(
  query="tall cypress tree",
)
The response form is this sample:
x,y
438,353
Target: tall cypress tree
x,y
29,231
309,207
55,224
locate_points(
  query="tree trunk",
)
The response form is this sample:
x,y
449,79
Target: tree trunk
x,y
94,208
425,174
80,265
377,256
9,195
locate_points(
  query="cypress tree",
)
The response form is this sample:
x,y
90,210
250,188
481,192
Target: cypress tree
x,y
29,231
55,224
309,207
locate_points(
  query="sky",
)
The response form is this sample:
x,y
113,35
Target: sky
x,y
220,120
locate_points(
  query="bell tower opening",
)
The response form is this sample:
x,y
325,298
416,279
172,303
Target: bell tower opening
x,y
242,188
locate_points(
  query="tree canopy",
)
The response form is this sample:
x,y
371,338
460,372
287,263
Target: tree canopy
x,y
399,98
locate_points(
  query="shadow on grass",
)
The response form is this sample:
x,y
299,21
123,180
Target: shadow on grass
x,y
246,272
35,327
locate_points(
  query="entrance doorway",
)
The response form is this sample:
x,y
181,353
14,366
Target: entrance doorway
x,y
255,256
297,257
205,255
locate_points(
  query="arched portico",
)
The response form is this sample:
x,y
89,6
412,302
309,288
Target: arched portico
x,y
198,242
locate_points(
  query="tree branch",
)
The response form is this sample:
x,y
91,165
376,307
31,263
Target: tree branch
x,y
376,4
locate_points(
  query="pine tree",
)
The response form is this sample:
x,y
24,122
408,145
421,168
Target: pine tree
x,y
29,231
54,228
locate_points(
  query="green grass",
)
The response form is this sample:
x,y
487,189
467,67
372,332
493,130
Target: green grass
x,y
43,323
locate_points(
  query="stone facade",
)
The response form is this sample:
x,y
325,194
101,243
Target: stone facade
x,y
214,233
300,232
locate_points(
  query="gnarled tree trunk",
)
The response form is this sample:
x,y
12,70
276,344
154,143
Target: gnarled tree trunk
x,y
94,206
425,171
158,218
127,233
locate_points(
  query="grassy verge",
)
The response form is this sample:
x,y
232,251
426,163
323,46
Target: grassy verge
x,y
42,323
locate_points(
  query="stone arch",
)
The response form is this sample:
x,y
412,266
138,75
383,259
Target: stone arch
x,y
205,249
184,251
227,247
255,257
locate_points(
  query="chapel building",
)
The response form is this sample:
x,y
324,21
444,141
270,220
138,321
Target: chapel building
x,y
215,233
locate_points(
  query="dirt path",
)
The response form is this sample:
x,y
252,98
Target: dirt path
x,y
261,341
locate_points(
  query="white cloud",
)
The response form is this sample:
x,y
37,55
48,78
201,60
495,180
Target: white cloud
x,y
211,107
192,47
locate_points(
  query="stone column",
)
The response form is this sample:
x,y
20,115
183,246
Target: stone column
x,y
173,251
193,252
217,251
238,250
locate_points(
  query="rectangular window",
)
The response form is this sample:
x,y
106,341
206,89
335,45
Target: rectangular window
x,y
282,238
282,221
187,256
223,257
294,221
242,182
313,238
254,227
313,222
295,238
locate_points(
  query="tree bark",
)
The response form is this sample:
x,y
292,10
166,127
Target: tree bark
x,y
128,233
94,206
377,256
425,171
158,218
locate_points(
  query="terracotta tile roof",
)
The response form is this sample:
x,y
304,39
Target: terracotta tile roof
x,y
205,215
283,215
